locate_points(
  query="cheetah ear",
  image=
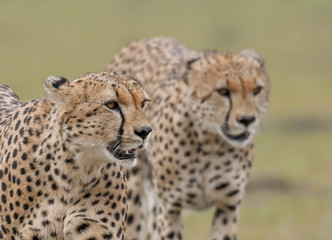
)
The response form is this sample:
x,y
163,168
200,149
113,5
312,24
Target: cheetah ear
x,y
57,87
190,63
253,57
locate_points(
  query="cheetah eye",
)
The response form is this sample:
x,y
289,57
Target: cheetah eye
x,y
223,92
143,104
257,90
112,105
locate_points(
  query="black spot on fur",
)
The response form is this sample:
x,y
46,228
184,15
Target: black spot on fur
x,y
60,82
83,227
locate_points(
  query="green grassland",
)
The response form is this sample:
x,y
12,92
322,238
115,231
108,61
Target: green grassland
x,y
290,193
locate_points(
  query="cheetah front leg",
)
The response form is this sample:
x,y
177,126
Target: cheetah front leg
x,y
135,219
167,223
224,225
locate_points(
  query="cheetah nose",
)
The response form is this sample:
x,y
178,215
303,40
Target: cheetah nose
x,y
143,132
246,120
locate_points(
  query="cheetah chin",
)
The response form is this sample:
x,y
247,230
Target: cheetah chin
x,y
240,139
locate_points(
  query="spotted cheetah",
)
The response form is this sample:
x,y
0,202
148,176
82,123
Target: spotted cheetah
x,y
61,158
206,108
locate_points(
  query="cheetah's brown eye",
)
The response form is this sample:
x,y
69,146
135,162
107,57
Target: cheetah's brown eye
x,y
257,90
112,105
223,92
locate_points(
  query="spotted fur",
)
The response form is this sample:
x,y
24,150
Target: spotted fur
x,y
61,158
206,108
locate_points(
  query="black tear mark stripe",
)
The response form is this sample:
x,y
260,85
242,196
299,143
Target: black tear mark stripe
x,y
230,107
120,132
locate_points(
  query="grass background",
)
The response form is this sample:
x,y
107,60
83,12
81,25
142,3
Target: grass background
x,y
290,193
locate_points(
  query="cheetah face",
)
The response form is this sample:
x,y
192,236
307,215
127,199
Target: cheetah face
x,y
230,94
124,148
102,118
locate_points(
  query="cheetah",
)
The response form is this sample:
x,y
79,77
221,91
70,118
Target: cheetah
x,y
62,158
206,107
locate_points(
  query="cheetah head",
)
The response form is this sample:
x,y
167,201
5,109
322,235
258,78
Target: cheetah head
x,y
230,94
101,117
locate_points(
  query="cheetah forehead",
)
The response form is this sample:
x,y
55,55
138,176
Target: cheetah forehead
x,y
97,86
215,66
225,62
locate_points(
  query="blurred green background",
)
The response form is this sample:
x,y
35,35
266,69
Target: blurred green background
x,y
290,192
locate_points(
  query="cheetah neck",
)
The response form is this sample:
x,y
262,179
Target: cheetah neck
x,y
69,171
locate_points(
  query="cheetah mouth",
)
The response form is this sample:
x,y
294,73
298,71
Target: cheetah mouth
x,y
125,155
239,137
